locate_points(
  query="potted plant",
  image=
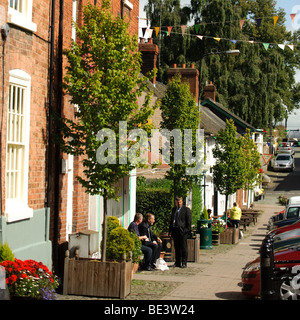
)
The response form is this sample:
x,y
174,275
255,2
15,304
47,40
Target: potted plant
x,y
110,278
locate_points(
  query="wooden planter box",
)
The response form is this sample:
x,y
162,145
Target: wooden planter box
x,y
88,277
193,249
215,236
229,236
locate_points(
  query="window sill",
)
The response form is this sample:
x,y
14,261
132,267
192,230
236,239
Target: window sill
x,y
16,211
18,19
128,4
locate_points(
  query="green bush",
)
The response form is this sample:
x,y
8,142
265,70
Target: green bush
x,y
159,203
6,253
137,251
112,223
119,241
204,215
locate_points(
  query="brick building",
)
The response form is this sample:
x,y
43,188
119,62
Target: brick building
x,y
41,202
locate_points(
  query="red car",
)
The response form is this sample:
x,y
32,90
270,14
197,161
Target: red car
x,y
285,289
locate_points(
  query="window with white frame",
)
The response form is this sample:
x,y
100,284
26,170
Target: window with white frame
x,y
17,147
20,13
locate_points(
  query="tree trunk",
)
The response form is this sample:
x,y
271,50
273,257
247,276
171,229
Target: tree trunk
x,y
103,256
226,206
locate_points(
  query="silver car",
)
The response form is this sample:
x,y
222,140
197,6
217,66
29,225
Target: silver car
x,y
285,147
282,162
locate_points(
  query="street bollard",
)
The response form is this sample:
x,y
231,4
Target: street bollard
x,y
267,291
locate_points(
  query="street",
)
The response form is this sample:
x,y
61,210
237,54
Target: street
x,y
284,183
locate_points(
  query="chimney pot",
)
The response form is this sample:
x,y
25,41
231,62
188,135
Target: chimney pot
x,y
183,65
193,65
150,40
142,40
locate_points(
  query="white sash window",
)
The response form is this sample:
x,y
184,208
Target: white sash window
x,y
17,147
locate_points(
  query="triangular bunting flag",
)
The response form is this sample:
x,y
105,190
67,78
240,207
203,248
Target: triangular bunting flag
x,y
242,23
275,18
143,31
156,30
258,22
197,27
293,15
233,41
217,39
251,41
200,37
169,30
266,46
183,28
291,46
150,31
281,46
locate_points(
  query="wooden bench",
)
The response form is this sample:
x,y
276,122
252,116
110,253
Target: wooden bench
x,y
253,213
245,221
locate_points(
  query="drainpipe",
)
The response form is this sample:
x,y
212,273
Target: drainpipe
x,y
57,159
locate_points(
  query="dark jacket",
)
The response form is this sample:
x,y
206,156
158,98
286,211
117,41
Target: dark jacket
x,y
184,220
145,230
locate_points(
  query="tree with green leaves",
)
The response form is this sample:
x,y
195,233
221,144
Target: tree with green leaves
x,y
251,160
180,112
258,85
229,170
103,80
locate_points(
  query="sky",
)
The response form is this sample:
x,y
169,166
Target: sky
x,y
289,6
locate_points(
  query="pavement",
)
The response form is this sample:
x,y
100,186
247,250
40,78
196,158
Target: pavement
x,y
219,275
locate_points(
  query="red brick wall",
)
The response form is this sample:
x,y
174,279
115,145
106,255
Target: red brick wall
x,y
30,52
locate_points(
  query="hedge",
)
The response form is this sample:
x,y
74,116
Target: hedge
x,y
158,202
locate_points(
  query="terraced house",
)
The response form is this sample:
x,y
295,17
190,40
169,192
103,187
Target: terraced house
x,y
41,201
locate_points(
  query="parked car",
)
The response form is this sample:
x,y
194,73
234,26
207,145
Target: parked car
x,y
285,147
283,288
283,162
293,200
292,211
282,223
286,249
286,227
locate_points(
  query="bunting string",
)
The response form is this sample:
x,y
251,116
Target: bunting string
x,y
218,39
241,22
234,41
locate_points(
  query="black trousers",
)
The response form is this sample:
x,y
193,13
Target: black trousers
x,y
180,246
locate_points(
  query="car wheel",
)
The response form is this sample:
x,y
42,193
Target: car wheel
x,y
286,290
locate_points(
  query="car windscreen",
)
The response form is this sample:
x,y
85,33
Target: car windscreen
x,y
293,212
281,158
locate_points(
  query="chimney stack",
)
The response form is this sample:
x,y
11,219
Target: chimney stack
x,y
190,75
149,52
210,91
